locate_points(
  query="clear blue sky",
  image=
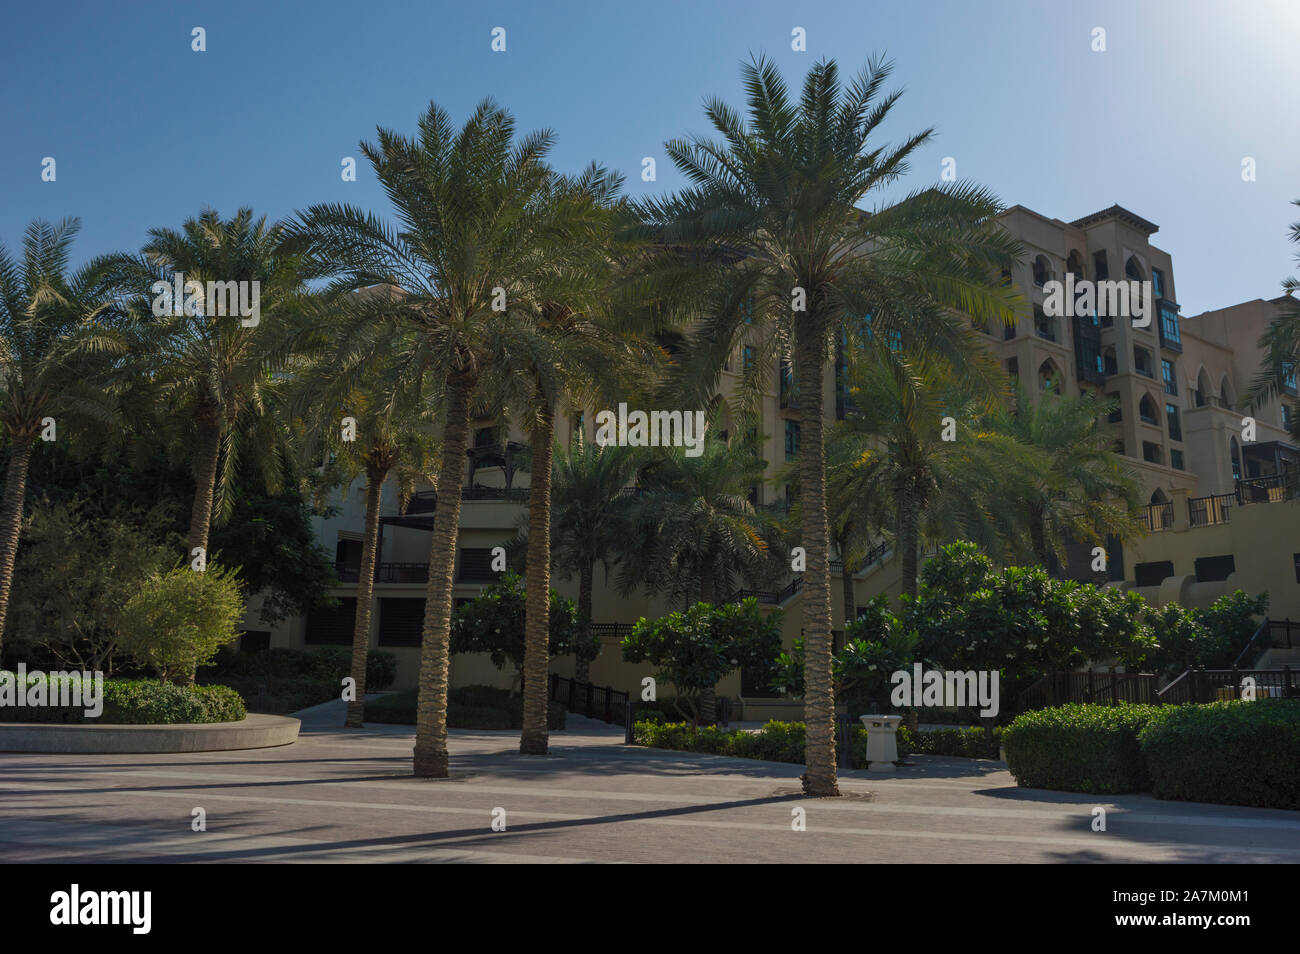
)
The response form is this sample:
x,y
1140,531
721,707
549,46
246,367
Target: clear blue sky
x,y
146,132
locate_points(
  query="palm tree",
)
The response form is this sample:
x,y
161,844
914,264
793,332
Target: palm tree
x,y
470,262
378,383
792,259
914,445
572,350
695,533
55,332
588,517
214,375
1079,488
1281,346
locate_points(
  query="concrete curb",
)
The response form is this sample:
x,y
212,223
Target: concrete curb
x,y
257,731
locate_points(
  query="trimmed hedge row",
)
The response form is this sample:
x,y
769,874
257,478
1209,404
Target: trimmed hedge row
x,y
1231,753
1080,748
469,707
142,702
774,742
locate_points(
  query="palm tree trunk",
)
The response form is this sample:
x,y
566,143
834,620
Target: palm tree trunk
x,y
582,670
819,692
11,517
205,483
908,541
537,588
431,698
365,590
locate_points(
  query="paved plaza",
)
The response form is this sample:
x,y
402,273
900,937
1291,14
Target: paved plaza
x,y
347,796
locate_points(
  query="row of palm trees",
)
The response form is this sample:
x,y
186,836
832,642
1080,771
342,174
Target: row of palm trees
x,y
500,287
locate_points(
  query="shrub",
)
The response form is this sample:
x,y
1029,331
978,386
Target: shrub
x,y
1233,753
1079,748
964,743
141,702
177,620
774,742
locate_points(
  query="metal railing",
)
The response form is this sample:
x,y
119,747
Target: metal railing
x,y
385,572
1159,516
595,702
1214,685
1270,489
1210,510
1100,688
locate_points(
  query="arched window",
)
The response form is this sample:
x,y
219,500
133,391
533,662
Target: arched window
x,y
1147,410
1049,378
1158,496
1204,393
1234,452
1133,271
1226,395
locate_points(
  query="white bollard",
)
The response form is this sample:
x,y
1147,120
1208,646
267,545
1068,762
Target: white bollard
x,y
882,741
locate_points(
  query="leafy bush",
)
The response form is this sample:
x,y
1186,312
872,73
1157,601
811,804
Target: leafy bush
x,y
1232,753
1080,748
493,623
774,742
177,620
972,743
468,707
287,680
141,702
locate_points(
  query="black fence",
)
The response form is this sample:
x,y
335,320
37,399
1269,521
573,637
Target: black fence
x,y
1213,685
1100,688
385,572
595,702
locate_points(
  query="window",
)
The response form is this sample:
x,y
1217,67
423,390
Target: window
x,y
332,627
1176,459
1158,282
1042,270
475,565
1147,410
1169,334
1288,377
749,358
1215,568
1295,558
1100,267
1109,364
1044,326
1152,574
1286,416
1116,415
1009,331
401,621
791,440
1049,379
1175,428
1150,452
1234,453
1142,362
485,437
1167,372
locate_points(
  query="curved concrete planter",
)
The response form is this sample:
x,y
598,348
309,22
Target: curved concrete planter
x,y
255,732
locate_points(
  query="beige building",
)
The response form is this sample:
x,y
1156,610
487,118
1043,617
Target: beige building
x,y
1216,520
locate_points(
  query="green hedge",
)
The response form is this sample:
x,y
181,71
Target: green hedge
x,y
774,742
964,743
1232,753
142,702
469,707
1080,748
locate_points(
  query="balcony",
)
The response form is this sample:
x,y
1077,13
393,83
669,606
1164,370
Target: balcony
x,y
385,572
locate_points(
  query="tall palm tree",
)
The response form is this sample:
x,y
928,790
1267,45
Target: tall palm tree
x,y
378,382
56,338
1079,488
775,205
470,261
214,376
573,349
